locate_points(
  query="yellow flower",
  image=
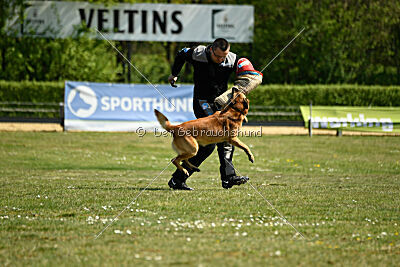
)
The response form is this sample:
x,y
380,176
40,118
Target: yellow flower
x,y
317,165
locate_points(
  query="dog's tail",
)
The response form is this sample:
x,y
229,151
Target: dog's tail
x,y
163,121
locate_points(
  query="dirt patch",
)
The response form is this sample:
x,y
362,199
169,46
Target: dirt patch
x,y
30,127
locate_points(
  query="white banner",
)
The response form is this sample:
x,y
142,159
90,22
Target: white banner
x,y
139,22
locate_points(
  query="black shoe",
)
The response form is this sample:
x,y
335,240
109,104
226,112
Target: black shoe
x,y
178,185
234,180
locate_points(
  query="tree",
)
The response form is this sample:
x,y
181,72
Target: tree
x,y
345,41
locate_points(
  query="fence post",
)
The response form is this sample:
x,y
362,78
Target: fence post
x,y
129,59
310,121
61,104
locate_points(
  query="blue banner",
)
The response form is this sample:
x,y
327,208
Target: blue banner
x,y
124,107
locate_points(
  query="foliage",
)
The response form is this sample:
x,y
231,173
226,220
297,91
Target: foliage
x,y
57,59
264,95
344,41
269,95
338,95
156,68
26,91
48,59
39,95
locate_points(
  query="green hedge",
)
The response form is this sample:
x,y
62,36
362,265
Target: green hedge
x,y
264,95
36,92
271,95
340,95
32,91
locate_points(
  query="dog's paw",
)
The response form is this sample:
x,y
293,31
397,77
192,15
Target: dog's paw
x,y
185,172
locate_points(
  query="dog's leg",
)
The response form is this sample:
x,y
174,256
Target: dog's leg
x,y
177,162
187,148
194,168
194,148
236,142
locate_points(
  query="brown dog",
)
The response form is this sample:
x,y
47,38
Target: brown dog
x,y
220,127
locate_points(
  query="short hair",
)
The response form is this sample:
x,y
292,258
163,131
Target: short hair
x,y
220,43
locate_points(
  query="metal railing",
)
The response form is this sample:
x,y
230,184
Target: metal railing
x,y
17,111
275,115
31,111
274,111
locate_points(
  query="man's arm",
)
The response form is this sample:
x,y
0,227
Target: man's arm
x,y
184,55
247,79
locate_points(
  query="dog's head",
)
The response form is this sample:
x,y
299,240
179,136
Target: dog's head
x,y
239,102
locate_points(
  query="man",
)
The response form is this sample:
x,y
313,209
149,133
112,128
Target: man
x,y
212,66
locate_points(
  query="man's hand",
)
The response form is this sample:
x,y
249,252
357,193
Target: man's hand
x,y
172,79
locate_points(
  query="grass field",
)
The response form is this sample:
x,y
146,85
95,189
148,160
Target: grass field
x,y
58,190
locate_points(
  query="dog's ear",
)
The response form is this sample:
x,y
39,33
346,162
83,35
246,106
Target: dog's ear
x,y
235,90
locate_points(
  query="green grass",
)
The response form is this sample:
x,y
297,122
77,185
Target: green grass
x,y
58,190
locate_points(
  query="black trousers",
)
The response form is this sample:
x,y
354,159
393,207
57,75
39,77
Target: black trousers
x,y
225,152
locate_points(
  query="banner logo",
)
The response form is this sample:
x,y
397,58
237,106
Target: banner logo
x,y
82,101
222,26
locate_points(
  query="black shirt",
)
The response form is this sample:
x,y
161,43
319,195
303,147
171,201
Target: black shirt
x,y
210,79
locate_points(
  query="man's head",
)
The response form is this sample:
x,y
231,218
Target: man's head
x,y
219,50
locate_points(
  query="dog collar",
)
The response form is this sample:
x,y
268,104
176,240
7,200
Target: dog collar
x,y
232,119
238,110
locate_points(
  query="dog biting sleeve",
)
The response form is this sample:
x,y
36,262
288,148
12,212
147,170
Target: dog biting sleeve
x,y
223,99
247,79
248,82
